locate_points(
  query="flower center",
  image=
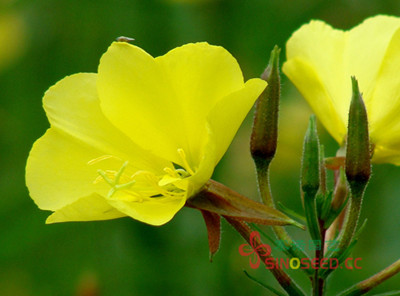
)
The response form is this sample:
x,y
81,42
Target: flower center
x,y
140,184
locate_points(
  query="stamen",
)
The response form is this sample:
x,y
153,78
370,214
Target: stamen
x,y
101,158
186,165
148,184
98,180
171,172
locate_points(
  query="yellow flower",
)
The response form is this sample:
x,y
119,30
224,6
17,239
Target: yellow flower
x,y
320,62
139,137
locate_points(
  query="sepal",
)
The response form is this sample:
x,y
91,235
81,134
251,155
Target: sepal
x,y
213,224
221,200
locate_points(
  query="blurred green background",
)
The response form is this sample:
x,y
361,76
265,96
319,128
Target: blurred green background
x,y
43,41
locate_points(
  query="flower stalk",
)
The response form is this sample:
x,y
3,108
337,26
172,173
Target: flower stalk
x,y
358,168
264,140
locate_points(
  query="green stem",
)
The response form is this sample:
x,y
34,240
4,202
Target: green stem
x,y
351,223
283,278
311,216
370,283
347,233
319,282
280,232
263,183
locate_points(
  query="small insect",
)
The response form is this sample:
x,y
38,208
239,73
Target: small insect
x,y
125,39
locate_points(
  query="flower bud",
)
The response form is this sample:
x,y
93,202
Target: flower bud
x,y
265,127
358,156
310,162
310,177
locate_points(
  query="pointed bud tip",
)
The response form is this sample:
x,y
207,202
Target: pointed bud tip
x,y
354,84
275,53
356,94
273,64
298,225
312,124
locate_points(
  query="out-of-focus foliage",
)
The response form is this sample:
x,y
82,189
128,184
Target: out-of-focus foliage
x,y
125,257
12,37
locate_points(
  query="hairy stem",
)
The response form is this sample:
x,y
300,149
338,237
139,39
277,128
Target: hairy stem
x,y
280,232
370,283
347,233
283,278
319,282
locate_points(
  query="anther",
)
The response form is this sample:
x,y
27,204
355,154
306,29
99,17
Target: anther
x,y
186,165
101,158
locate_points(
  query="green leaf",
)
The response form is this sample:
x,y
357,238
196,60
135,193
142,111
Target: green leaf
x,y
326,206
361,229
333,214
291,212
273,290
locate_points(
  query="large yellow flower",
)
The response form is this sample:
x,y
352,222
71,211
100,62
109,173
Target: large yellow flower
x,y
139,137
320,62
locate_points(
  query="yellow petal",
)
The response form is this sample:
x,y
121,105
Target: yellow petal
x,y
153,211
72,106
384,106
57,173
319,47
162,103
136,97
206,167
383,154
89,208
228,114
200,76
313,89
363,57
